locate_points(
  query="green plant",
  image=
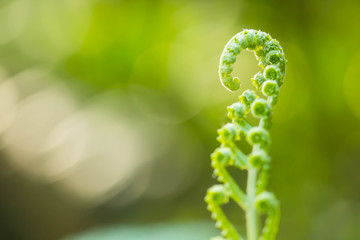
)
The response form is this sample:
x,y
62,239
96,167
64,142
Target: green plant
x,y
256,200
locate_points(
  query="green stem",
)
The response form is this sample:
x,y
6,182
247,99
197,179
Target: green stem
x,y
251,217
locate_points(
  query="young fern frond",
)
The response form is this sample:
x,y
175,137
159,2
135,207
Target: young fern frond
x,y
256,200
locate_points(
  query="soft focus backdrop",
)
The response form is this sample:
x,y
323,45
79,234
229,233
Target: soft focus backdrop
x,y
109,111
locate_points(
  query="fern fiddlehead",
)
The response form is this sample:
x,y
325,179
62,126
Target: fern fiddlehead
x,y
256,200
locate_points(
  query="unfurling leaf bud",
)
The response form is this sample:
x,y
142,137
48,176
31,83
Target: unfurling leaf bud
x,y
272,72
234,47
236,111
258,135
250,39
258,159
260,108
229,57
273,57
227,133
258,80
218,194
247,98
270,88
231,83
266,201
271,45
226,69
221,156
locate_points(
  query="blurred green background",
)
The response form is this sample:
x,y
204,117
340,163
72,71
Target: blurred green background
x,y
109,111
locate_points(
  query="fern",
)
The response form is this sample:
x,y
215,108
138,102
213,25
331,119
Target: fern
x,y
256,200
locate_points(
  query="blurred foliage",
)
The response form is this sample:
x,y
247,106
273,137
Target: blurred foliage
x,y
109,111
177,231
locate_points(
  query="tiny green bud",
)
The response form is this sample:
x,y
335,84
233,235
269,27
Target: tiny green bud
x,y
271,45
236,111
273,57
229,57
272,72
226,69
227,133
250,39
258,135
260,52
221,156
231,83
217,194
261,38
266,201
258,80
258,158
247,98
270,88
260,108
234,47
242,41
227,79
263,62
234,85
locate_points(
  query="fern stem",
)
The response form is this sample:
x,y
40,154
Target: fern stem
x,y
251,216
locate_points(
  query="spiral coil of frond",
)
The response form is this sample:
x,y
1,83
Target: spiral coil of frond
x,y
256,200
